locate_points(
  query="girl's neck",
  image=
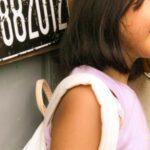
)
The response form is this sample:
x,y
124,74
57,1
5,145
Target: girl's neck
x,y
117,75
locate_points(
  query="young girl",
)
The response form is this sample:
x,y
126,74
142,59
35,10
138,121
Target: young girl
x,y
104,39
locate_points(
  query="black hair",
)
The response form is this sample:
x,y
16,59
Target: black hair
x,y
93,36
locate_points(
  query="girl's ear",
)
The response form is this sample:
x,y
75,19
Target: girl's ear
x,y
146,63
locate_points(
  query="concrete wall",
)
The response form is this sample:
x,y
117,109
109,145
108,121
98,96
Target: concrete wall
x,y
19,115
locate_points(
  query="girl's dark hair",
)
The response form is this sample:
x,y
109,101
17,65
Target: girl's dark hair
x,y
93,36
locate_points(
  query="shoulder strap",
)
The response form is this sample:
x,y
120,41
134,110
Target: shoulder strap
x,y
42,87
109,109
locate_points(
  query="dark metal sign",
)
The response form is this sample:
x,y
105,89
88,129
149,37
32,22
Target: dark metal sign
x,y
28,25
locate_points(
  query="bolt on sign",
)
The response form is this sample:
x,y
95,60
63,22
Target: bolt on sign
x,y
29,25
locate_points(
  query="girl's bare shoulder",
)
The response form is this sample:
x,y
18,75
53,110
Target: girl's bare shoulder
x,y
77,123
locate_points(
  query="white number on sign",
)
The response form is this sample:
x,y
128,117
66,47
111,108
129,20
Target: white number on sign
x,y
32,34
46,29
16,26
4,18
17,19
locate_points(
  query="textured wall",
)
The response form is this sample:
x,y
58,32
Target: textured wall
x,y
19,115
18,112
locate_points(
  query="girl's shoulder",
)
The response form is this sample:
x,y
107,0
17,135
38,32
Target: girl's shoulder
x,y
79,111
83,95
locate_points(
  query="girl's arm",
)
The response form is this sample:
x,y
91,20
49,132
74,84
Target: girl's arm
x,y
76,124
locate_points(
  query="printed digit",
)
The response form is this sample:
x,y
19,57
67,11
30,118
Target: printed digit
x,y
53,15
61,25
32,34
4,17
17,15
42,29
